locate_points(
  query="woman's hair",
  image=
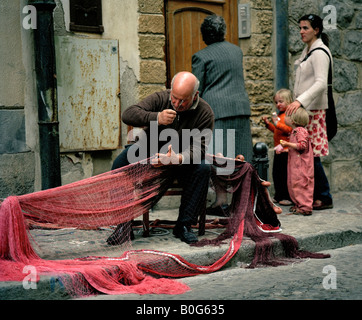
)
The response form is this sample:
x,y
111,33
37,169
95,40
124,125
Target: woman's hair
x,y
286,94
213,29
300,117
316,22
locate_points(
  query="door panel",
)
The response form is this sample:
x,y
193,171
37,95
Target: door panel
x,y
183,19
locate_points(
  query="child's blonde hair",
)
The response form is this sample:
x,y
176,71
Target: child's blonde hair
x,y
285,94
300,117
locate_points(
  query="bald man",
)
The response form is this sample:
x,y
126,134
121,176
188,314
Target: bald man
x,y
169,118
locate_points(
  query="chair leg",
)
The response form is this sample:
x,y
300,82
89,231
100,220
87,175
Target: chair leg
x,y
146,224
202,221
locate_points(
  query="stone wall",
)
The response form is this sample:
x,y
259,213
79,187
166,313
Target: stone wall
x,y
258,67
151,45
343,165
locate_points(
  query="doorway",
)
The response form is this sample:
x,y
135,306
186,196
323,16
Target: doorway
x,y
183,35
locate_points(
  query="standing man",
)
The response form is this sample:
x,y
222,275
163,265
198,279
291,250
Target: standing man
x,y
173,114
219,67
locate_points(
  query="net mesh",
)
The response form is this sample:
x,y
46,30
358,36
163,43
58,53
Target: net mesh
x,y
63,231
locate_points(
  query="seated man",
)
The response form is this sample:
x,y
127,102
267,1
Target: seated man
x,y
187,120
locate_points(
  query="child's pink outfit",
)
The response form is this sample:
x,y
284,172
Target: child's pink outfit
x,y
301,171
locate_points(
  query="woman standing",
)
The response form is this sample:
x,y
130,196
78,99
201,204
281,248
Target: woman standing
x,y
310,91
219,68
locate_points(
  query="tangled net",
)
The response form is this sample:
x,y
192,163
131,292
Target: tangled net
x,y
97,203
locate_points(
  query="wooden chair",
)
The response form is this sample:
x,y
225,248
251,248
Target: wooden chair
x,y
174,190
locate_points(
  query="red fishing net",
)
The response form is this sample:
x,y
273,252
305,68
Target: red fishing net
x,y
32,226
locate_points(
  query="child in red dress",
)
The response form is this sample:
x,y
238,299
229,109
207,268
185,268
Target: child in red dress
x,y
300,163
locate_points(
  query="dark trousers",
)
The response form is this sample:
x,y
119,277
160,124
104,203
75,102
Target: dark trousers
x,y
280,175
321,185
194,179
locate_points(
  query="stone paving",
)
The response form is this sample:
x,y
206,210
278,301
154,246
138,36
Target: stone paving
x,y
335,278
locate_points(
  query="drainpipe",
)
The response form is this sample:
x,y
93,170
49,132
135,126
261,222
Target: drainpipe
x,y
281,44
45,67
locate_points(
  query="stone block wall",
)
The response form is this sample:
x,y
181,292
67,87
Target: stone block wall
x,y
258,67
151,29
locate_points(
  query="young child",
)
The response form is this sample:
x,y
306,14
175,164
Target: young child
x,y
281,132
300,163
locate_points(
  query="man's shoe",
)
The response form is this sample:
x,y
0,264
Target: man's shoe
x,y
122,234
185,235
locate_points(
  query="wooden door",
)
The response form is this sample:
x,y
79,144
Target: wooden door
x,y
183,35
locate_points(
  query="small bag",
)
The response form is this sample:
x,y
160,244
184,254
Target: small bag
x,y
331,117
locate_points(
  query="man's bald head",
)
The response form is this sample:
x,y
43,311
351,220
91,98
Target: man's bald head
x,y
185,81
184,87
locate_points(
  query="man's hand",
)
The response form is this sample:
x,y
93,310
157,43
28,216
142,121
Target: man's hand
x,y
166,117
240,157
169,158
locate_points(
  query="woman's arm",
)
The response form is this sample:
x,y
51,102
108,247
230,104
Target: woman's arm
x,y
293,107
